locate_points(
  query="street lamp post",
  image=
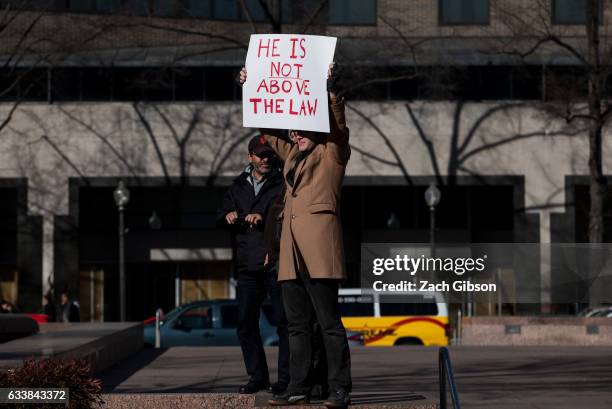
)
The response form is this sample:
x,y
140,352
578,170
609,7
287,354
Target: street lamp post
x,y
432,198
122,198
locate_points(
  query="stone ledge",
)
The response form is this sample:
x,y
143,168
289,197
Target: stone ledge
x,y
102,345
221,400
531,331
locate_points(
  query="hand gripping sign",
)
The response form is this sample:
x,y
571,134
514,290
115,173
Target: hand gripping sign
x,y
286,85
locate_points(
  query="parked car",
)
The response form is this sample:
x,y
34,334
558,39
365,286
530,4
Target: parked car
x,y
39,318
213,323
605,312
422,319
206,323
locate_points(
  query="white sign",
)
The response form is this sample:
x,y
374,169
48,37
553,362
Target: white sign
x,y
286,85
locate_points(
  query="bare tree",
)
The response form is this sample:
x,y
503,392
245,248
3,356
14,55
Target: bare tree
x,y
532,34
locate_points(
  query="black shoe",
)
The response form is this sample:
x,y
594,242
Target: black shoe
x,y
289,398
277,389
253,387
338,399
319,392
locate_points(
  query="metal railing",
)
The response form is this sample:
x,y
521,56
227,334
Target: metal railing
x,y
157,328
446,375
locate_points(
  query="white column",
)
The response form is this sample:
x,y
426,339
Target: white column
x,y
545,272
47,251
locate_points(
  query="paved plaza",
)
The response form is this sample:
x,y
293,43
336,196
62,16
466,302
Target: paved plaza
x,y
487,377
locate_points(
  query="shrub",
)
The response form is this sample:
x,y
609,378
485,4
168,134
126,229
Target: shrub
x,y
84,391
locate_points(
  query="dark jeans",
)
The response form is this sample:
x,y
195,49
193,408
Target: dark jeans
x,y
304,297
252,290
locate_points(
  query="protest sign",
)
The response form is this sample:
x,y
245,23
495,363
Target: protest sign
x,y
286,85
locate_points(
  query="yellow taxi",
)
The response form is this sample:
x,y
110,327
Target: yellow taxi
x,y
414,319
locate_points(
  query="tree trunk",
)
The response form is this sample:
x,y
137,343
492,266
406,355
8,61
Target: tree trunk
x,y
597,180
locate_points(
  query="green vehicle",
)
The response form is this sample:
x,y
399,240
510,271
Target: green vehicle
x,y
206,323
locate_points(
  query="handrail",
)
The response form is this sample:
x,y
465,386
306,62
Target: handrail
x,y
157,329
446,375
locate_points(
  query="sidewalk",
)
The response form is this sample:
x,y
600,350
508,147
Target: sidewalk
x,y
207,377
487,377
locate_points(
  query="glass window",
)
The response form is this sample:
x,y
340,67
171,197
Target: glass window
x,y
287,11
293,11
189,83
571,12
255,9
355,306
166,8
66,84
32,4
226,10
216,84
140,7
197,318
409,309
81,5
108,5
352,11
198,8
464,11
33,85
97,84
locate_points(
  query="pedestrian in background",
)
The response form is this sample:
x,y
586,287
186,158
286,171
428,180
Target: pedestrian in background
x,y
243,211
70,310
48,308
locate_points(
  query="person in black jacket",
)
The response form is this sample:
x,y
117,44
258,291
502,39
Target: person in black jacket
x,y
48,307
70,310
244,207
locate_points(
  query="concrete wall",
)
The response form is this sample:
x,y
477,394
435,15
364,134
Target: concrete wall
x,y
47,144
536,331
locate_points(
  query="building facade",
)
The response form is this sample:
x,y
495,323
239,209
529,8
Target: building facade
x,y
143,91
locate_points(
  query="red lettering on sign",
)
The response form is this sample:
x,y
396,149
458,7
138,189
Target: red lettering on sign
x,y
312,110
263,85
293,41
286,85
266,46
291,111
303,90
286,70
268,105
278,107
255,101
274,87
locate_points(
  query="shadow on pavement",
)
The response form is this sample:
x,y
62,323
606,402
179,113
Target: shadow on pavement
x,y
117,374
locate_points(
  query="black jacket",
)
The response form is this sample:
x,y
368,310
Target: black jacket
x,y
70,312
249,248
274,226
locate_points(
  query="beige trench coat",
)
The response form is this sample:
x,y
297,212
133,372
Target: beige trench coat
x,y
311,220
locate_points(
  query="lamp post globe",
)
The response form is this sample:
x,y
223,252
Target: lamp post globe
x,y
122,195
432,196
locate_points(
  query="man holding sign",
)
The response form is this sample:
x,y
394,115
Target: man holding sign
x,y
311,264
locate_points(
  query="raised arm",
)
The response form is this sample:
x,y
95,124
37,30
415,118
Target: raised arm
x,y
338,139
279,141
